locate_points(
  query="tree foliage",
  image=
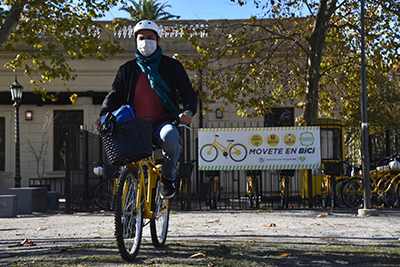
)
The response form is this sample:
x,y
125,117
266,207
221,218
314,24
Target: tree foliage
x,y
305,53
53,32
148,9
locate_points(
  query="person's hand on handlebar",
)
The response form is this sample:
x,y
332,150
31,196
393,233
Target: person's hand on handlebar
x,y
185,118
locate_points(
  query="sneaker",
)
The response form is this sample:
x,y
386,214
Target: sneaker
x,y
168,191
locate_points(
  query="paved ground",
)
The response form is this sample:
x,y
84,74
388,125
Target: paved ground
x,y
49,231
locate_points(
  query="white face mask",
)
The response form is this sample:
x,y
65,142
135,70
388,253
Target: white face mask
x,y
146,47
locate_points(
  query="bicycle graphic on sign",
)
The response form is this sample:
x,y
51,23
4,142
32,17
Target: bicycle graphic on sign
x,y
209,152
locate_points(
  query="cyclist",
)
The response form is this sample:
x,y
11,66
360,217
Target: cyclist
x,y
154,85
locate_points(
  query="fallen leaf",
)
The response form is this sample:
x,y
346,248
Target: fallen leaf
x,y
285,255
328,238
61,250
24,243
269,225
324,215
40,229
198,255
224,247
27,243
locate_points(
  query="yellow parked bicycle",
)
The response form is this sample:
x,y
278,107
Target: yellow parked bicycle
x,y
184,174
252,188
285,187
385,188
213,188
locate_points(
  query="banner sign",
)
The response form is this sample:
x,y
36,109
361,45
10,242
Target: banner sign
x,y
271,148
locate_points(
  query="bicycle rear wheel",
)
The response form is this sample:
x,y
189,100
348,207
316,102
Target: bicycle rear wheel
x,y
128,217
159,224
352,192
101,196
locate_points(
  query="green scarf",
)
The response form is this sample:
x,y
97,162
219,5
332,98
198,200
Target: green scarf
x,y
149,65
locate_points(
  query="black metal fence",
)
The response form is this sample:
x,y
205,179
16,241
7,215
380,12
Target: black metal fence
x,y
232,193
84,148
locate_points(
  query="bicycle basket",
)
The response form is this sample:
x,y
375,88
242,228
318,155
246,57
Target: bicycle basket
x,y
129,141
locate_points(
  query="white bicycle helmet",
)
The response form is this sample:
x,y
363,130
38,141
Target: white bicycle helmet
x,y
146,25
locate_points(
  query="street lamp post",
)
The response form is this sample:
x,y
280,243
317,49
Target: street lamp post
x,y
16,96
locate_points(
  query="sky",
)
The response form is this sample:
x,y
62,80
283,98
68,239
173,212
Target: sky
x,y
202,9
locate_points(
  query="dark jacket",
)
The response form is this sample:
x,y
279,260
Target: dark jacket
x,y
172,72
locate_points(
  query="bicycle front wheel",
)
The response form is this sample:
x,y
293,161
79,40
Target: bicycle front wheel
x,y
128,217
159,223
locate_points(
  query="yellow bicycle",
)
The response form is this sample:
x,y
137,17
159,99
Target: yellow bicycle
x,y
184,173
252,188
138,202
213,188
138,198
285,187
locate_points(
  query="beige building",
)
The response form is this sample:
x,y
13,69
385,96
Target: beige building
x,y
94,79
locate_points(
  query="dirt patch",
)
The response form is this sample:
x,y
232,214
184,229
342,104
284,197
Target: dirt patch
x,y
209,238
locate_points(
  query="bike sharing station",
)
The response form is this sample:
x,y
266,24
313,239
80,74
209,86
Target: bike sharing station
x,y
317,184
286,150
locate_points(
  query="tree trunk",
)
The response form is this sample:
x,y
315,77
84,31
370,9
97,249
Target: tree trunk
x,y
316,45
12,20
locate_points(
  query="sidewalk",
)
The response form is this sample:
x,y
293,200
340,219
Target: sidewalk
x,y
49,232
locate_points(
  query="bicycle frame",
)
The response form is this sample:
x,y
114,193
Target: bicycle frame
x,y
145,192
114,185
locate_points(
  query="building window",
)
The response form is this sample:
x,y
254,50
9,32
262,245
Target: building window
x,y
331,141
280,117
63,118
2,143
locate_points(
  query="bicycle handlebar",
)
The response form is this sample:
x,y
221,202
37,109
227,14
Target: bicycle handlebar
x,y
185,126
